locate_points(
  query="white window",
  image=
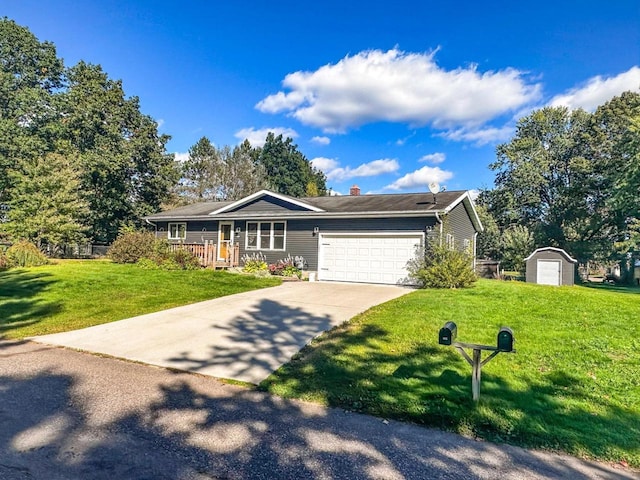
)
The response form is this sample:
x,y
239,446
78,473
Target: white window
x,y
451,243
265,235
177,231
466,244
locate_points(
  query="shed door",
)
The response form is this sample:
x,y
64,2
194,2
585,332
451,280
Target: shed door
x,y
549,272
367,258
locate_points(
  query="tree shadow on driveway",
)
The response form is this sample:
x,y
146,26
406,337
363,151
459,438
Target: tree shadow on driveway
x,y
256,342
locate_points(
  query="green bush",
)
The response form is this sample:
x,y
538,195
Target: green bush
x,y
254,263
161,257
25,254
130,247
438,266
5,263
181,260
147,264
285,268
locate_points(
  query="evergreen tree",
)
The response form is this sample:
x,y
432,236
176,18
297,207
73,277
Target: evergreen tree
x,y
46,206
288,170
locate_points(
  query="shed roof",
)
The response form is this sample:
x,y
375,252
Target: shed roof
x,y
552,249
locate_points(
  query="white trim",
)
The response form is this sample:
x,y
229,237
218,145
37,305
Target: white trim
x,y
231,232
262,193
169,237
552,249
271,236
465,197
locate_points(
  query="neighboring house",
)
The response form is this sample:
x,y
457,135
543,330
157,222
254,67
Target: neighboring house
x,y
358,238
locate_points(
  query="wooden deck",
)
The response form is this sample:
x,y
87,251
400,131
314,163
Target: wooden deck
x,y
207,252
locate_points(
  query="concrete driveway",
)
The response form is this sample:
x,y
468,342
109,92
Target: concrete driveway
x,y
243,337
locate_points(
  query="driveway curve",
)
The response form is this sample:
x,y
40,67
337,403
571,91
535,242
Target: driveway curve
x,y
242,337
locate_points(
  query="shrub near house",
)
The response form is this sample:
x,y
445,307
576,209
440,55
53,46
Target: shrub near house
x,y
144,249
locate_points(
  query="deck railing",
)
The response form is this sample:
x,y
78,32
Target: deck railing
x,y
207,252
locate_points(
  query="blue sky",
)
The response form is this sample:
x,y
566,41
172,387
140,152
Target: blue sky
x,y
387,95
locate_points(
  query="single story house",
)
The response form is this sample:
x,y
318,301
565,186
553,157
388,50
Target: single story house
x,y
359,238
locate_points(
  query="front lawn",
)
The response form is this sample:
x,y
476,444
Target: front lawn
x,y
75,294
572,386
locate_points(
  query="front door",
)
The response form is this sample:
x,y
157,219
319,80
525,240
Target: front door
x,y
225,239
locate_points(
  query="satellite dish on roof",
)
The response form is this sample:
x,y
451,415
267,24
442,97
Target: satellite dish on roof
x,y
434,187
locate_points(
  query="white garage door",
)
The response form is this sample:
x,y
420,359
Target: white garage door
x,y
548,272
367,258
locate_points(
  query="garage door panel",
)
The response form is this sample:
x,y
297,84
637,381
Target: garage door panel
x,y
367,258
548,272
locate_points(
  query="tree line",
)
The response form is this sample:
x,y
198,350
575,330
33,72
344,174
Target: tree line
x,y
567,179
79,160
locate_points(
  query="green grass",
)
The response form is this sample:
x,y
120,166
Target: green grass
x,y
572,386
75,294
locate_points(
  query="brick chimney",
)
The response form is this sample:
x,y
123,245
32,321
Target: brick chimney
x,y
354,191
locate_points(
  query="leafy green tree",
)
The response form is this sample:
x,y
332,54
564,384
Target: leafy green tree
x,y
81,114
615,130
217,174
200,172
46,206
241,174
30,74
489,239
288,170
125,170
516,244
543,181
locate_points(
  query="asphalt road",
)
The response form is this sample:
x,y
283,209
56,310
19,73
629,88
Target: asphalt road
x,y
71,415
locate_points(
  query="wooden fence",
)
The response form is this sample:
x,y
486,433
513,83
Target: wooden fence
x,y
208,254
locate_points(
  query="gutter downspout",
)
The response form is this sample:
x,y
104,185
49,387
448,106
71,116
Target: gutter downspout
x,y
439,220
155,226
475,250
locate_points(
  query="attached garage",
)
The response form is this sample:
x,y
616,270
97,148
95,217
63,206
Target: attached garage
x,y
550,266
367,257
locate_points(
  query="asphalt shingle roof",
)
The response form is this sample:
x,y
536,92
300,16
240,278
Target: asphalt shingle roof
x,y
404,202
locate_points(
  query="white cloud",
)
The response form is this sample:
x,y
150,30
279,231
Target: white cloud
x,y
434,158
480,136
321,140
257,137
598,90
334,171
396,86
160,122
401,141
181,156
474,193
420,178
324,164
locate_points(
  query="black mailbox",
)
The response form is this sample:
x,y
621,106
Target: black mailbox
x,y
448,333
505,340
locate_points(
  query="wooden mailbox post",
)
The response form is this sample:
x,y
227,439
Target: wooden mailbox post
x,y
505,342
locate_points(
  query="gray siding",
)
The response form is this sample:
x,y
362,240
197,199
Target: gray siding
x,y
197,231
300,239
568,267
458,223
